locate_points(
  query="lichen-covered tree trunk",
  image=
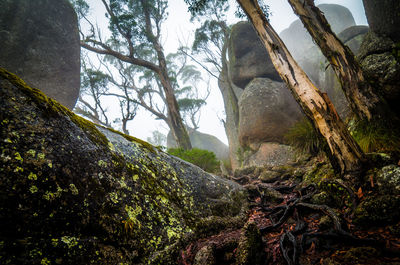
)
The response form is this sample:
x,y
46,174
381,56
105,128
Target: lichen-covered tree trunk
x,y
345,154
231,107
364,102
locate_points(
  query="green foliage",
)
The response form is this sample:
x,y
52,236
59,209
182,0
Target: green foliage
x,y
81,7
376,136
304,139
204,159
211,31
94,80
201,7
227,164
187,104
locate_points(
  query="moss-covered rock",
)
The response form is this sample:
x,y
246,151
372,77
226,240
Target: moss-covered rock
x,y
250,250
205,256
319,173
380,60
75,193
377,210
269,176
388,180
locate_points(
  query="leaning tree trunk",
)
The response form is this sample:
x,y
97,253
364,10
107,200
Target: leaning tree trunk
x,y
345,154
364,102
174,118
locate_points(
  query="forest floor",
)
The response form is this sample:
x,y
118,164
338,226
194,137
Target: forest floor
x,y
288,224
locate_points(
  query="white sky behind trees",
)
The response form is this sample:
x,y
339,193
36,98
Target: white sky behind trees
x,y
178,29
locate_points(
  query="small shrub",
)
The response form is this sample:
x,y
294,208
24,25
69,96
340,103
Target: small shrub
x,y
304,139
204,159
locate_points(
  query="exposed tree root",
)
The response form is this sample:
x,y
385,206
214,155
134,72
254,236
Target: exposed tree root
x,y
291,227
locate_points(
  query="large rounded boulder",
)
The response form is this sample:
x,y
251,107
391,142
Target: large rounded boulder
x,y
40,42
247,56
75,193
266,111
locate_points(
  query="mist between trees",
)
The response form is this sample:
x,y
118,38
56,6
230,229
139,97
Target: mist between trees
x,y
133,62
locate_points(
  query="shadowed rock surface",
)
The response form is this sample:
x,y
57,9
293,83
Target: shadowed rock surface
x,y
380,51
379,57
40,42
74,193
384,17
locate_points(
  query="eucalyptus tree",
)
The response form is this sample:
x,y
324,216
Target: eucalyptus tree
x,y
345,154
136,27
210,50
142,87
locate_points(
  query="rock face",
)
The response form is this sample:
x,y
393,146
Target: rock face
x,y
297,38
203,141
266,110
248,57
269,154
380,50
40,42
74,193
384,17
380,60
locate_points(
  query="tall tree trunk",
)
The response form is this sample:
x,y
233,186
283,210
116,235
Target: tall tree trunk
x,y
345,154
175,120
364,102
174,117
231,107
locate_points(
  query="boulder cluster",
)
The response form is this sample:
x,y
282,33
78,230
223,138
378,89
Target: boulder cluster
x,y
267,110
